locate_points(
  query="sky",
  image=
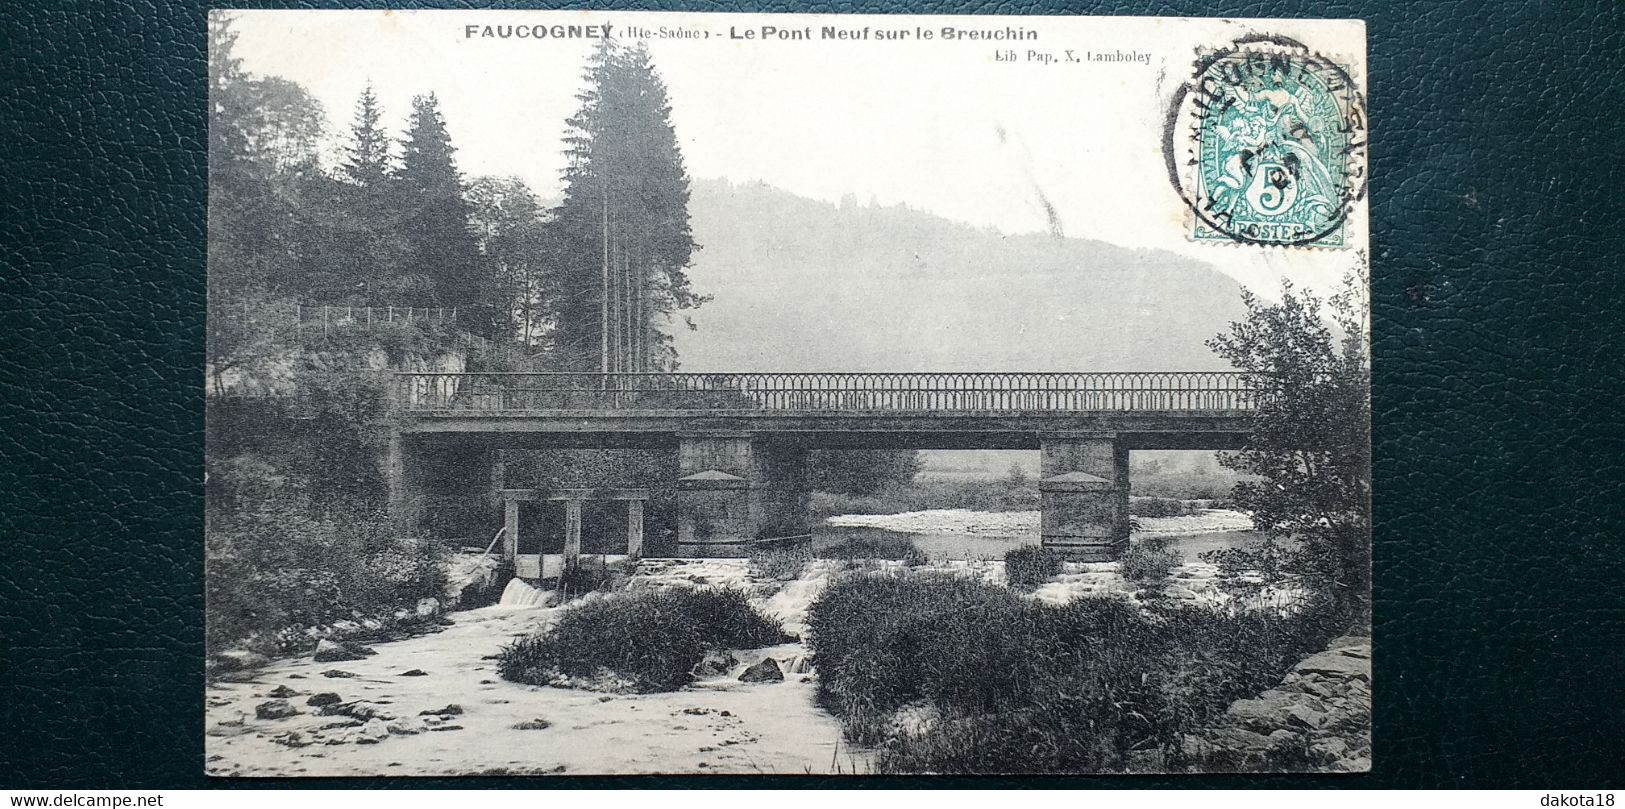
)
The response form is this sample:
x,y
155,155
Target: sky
x,y
941,126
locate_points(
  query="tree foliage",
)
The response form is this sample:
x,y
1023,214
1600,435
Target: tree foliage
x,y
510,226
435,223
1310,444
862,471
622,230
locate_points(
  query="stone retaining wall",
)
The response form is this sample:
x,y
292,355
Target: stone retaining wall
x,y
1318,719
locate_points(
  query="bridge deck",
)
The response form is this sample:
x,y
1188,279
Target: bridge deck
x,y
1191,410
439,393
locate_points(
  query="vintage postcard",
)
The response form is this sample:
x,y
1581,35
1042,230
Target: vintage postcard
x,y
634,392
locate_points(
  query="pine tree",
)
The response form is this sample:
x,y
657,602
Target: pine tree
x,y
367,159
439,240
622,229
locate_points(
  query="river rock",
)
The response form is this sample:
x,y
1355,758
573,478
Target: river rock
x,y
238,660
358,709
330,652
372,732
1336,664
282,692
766,671
324,698
715,663
275,709
449,710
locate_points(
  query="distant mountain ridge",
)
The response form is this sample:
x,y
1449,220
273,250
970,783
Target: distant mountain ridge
x,y
803,285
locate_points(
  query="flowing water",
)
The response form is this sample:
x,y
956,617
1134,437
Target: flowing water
x,y
958,546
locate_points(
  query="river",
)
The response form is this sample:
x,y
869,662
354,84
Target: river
x,y
962,535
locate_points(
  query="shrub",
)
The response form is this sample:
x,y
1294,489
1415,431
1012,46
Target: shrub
x,y
780,563
1029,566
922,494
1148,562
650,640
1162,507
881,546
279,563
586,577
1027,687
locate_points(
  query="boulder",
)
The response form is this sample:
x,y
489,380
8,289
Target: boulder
x,y
1231,738
1331,747
449,710
1337,665
324,698
355,710
372,732
239,659
330,652
1283,737
1264,713
414,673
715,663
275,709
766,671
283,692
1304,716
533,724
428,607
291,739
339,674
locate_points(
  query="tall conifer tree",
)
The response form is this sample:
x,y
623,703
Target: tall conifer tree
x,y
435,216
622,229
367,158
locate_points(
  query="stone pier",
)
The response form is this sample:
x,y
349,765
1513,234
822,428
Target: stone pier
x,y
1083,494
733,488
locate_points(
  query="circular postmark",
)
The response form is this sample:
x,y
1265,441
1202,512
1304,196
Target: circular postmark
x,y
1265,142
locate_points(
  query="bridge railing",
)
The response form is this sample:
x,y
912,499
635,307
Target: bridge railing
x,y
801,392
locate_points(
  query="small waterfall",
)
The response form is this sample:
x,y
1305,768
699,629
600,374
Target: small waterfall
x,y
520,594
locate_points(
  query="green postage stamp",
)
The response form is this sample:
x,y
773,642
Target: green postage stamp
x,y
1266,144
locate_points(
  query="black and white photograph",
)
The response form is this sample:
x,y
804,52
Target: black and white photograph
x,y
619,393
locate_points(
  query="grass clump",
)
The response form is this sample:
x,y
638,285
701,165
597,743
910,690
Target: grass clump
x,y
1024,687
642,641
1029,566
1147,562
780,563
1163,507
883,546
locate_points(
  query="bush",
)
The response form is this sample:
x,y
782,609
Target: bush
x,y
879,546
650,640
279,564
1026,687
1161,507
1148,562
924,494
586,577
780,563
1029,566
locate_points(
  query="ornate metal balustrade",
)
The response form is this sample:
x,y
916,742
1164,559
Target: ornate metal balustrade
x,y
468,393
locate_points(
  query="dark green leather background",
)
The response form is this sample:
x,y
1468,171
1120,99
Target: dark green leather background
x,y
1497,229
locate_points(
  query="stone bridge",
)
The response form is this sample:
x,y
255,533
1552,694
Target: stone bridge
x,y
740,440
